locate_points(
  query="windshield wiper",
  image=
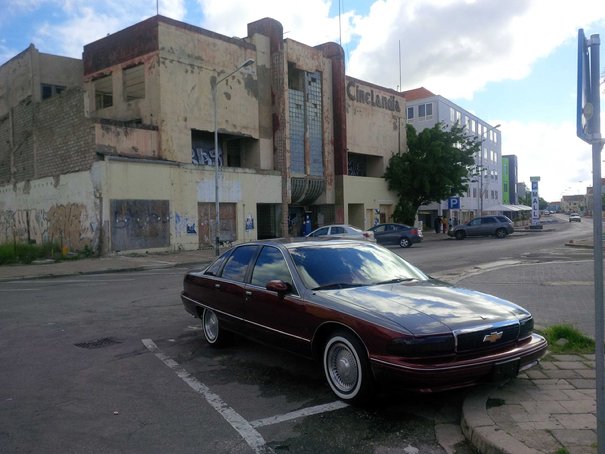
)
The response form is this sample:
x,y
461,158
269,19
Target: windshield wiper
x,y
337,285
396,280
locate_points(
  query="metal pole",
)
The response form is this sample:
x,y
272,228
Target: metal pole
x,y
597,145
217,220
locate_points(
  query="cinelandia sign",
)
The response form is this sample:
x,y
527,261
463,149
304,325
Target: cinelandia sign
x,y
359,94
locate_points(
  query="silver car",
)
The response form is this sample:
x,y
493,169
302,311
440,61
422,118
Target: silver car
x,y
498,226
342,231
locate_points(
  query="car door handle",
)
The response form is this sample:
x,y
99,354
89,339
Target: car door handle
x,y
217,285
248,293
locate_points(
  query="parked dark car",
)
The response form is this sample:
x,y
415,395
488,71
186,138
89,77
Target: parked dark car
x,y
364,312
498,226
401,234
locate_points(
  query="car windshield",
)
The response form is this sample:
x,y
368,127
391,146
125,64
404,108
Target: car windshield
x,y
328,266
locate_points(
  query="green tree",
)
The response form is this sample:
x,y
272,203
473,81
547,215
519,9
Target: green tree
x,y
437,165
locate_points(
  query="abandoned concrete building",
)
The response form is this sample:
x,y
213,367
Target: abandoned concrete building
x,y
116,152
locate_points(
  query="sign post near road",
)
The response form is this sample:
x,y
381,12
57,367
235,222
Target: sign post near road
x,y
535,203
589,130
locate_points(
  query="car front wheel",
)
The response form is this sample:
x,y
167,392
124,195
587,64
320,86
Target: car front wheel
x,y
500,233
346,367
405,242
212,329
459,235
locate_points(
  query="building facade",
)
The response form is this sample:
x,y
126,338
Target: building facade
x,y
509,179
424,109
116,152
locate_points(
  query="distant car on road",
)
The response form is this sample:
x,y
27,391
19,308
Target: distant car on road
x,y
401,234
341,231
498,226
575,217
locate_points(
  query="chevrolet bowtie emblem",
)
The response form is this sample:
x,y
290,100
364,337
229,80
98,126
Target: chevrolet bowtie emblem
x,y
493,337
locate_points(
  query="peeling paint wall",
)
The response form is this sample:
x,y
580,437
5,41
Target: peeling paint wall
x,y
30,212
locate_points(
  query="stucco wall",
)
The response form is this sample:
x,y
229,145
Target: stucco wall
x,y
372,193
190,63
184,186
375,120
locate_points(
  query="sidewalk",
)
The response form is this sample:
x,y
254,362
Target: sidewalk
x,y
551,407
109,264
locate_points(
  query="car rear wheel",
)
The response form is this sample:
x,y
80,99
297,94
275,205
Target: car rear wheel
x,y
212,329
346,367
405,242
459,235
500,233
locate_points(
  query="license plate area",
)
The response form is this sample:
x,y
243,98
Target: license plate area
x,y
506,369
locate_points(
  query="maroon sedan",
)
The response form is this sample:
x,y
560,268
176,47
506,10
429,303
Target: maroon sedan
x,y
366,313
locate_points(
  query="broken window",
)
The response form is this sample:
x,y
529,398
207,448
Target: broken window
x,y
49,90
103,92
134,82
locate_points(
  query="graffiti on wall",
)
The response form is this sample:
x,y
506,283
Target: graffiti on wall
x,y
183,225
68,225
139,224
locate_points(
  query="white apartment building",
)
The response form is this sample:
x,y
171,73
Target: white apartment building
x,y
425,109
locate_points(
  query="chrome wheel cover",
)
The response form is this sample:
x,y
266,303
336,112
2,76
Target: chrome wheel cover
x,y
210,325
342,367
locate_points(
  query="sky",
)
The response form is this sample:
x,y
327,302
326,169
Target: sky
x,y
512,62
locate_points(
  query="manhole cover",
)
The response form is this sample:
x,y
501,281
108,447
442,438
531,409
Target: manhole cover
x,y
99,343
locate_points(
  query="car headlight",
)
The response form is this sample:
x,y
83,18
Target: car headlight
x,y
526,327
422,346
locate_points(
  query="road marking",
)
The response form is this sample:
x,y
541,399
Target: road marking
x,y
299,413
243,427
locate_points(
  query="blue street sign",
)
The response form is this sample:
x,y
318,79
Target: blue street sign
x,y
453,203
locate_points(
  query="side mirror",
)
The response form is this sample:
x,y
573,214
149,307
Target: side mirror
x,y
278,286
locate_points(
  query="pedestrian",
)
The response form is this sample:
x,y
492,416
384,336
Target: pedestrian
x,y
445,224
437,224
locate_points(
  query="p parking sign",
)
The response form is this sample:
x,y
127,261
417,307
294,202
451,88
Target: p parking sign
x,y
453,203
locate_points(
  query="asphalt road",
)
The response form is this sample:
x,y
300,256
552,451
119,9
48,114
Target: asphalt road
x,y
112,363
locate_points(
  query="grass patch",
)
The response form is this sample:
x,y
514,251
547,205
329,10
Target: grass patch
x,y
567,339
23,253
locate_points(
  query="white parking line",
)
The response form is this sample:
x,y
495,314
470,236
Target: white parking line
x,y
299,413
243,427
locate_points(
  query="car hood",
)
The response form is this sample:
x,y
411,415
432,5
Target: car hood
x,y
428,307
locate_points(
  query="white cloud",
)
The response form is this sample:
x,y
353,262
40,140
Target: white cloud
x,y
310,24
551,151
456,47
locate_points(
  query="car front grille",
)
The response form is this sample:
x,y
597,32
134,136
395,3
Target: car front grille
x,y
486,337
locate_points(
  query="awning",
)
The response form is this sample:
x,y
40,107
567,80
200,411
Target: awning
x,y
510,208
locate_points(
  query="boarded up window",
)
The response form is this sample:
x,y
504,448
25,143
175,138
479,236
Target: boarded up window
x,y
139,224
207,220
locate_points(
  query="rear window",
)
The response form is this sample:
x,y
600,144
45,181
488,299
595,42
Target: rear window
x,y
503,219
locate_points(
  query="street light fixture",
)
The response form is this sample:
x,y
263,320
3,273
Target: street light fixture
x,y
216,167
482,169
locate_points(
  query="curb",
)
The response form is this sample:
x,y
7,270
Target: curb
x,y
481,431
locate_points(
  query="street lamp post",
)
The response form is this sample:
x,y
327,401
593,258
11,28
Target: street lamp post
x,y
481,168
216,167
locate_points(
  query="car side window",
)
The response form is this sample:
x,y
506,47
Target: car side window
x,y
475,222
215,268
237,263
270,265
488,221
322,231
380,229
337,230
